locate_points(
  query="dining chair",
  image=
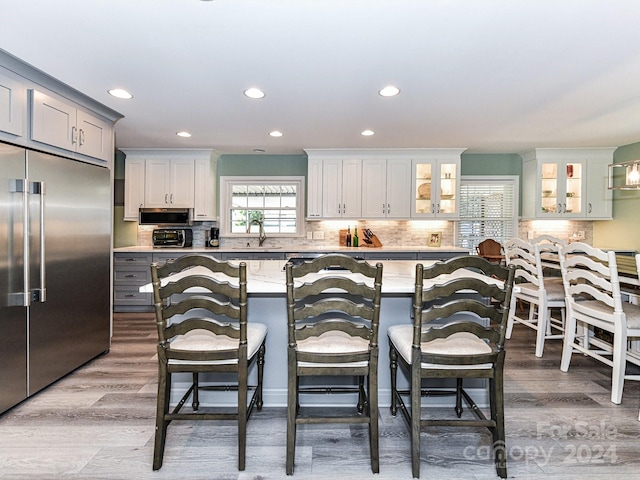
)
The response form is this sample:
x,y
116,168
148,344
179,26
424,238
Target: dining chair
x,y
541,294
333,314
491,250
456,333
201,314
594,301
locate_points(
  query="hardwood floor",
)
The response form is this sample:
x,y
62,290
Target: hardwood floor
x,y
98,423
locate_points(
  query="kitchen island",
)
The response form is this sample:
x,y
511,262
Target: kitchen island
x,y
267,304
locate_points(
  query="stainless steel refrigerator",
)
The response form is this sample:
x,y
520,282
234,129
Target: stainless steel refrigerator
x,y
55,225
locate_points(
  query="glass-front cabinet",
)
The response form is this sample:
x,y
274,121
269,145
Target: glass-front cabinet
x,y
568,183
562,186
436,185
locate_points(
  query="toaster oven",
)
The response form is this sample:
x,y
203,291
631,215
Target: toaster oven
x,y
172,237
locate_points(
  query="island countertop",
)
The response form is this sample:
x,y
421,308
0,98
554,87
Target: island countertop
x,y
294,249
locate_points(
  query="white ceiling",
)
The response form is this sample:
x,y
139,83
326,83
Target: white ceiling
x,y
489,75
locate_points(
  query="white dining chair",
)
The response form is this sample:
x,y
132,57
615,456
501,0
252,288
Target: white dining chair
x,y
594,301
541,294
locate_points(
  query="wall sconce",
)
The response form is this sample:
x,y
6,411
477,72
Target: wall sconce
x,y
631,175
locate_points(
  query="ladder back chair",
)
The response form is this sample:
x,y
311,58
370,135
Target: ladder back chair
x,y
457,333
201,314
590,277
541,294
333,314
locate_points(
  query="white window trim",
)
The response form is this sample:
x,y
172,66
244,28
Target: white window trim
x,y
514,179
226,182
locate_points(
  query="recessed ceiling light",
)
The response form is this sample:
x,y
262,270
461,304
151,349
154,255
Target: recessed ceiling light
x,y
259,150
276,133
254,93
367,133
120,93
183,134
389,91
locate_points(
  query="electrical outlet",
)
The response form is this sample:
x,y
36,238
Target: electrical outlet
x,y
580,234
319,235
309,235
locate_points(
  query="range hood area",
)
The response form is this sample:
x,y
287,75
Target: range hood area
x,y
166,216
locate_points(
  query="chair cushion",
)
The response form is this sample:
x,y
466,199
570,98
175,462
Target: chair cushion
x,y
204,340
334,341
631,312
554,289
461,343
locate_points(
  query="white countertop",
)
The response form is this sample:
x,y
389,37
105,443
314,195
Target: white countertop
x,y
268,276
325,248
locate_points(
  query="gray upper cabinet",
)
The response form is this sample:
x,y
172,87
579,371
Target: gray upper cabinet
x,y
13,105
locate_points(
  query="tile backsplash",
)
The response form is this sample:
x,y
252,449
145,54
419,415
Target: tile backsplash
x,y
389,232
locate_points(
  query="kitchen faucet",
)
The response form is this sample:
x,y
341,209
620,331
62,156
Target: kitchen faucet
x,y
262,235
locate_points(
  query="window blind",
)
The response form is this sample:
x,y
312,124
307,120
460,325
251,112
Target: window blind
x,y
488,209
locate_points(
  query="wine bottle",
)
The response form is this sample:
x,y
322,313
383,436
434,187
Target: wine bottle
x,y
355,236
348,242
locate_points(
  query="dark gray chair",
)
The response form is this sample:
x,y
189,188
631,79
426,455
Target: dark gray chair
x,y
457,332
333,311
205,332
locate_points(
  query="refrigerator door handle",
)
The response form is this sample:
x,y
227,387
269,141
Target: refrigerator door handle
x,y
23,298
40,294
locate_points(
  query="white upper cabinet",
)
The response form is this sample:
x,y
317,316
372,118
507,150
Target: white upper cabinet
x,y
169,182
342,188
205,190
435,187
567,183
13,105
314,188
134,187
61,124
383,183
385,187
156,178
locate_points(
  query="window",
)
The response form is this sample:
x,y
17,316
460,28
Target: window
x,y
488,209
278,203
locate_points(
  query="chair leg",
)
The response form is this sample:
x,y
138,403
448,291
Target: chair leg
x,y
393,365
195,404
496,386
164,387
242,415
416,398
569,338
459,397
362,397
619,364
373,413
259,400
543,319
292,407
512,314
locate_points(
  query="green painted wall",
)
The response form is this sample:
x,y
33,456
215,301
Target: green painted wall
x,y
624,230
262,165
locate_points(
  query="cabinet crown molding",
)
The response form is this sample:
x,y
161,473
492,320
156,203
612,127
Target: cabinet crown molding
x,y
170,152
372,152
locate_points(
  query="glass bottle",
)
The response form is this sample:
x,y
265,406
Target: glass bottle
x,y
348,241
355,236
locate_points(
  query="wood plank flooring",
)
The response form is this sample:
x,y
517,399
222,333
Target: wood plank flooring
x,y
98,423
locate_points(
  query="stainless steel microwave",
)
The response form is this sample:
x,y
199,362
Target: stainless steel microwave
x,y
166,216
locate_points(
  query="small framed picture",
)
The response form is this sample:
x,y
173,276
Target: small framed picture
x,y
435,239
